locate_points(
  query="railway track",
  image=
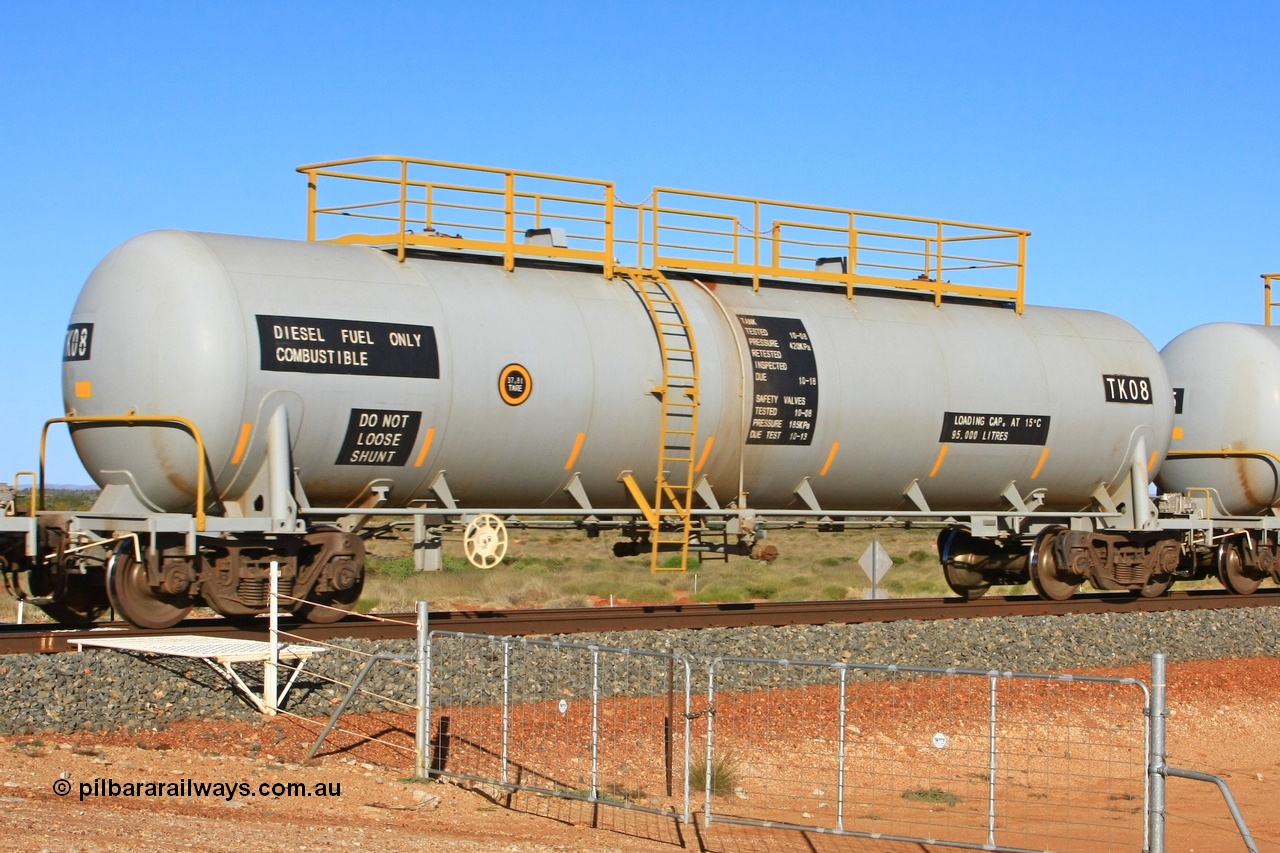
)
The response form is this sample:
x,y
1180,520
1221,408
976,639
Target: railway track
x,y
42,637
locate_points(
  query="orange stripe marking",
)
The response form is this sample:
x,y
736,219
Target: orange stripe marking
x,y
831,457
243,443
942,454
1044,454
577,448
1151,463
706,451
426,448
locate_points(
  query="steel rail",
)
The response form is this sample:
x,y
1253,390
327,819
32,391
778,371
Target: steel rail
x,y
32,638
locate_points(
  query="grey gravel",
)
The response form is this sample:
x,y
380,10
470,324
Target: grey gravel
x,y
100,689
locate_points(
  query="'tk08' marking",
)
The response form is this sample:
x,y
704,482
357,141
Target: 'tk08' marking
x,y
1127,389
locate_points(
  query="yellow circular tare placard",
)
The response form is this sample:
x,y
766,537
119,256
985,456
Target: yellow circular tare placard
x,y
514,384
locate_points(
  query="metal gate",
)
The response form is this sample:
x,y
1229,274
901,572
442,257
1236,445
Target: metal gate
x,y
987,760
584,722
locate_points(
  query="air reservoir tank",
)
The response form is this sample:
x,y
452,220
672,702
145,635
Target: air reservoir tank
x,y
1226,381
511,384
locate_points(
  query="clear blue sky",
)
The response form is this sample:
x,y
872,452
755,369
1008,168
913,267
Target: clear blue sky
x,y
1139,142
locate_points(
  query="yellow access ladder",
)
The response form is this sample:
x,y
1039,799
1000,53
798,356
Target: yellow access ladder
x,y
670,515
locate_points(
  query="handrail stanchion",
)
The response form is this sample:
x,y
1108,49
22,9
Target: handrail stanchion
x,y
608,231
852,263
1021,302
404,201
1267,279
312,180
755,235
937,298
509,257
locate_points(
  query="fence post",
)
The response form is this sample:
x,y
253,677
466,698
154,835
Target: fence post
x,y
1156,759
422,735
595,724
506,705
840,758
271,669
711,716
991,770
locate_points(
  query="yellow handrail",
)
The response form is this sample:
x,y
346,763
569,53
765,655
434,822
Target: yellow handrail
x,y
132,420
18,476
1225,453
675,229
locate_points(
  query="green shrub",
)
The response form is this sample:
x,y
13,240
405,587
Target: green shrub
x,y
931,795
646,593
835,591
724,774
392,567
719,592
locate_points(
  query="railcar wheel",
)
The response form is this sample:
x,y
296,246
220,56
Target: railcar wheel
x,y
1234,574
485,541
77,602
135,601
1047,576
336,605
964,582
1157,586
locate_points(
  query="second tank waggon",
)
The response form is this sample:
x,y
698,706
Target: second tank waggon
x,y
1226,380
473,348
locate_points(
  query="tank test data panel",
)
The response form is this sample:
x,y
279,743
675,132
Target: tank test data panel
x,y
784,375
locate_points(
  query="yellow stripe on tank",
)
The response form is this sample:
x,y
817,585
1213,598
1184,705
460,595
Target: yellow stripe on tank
x,y
942,454
245,432
577,448
831,457
1044,454
426,448
706,451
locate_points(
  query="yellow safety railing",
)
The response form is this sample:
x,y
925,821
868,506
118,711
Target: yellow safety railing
x,y
404,203
17,480
1267,456
1267,280
129,420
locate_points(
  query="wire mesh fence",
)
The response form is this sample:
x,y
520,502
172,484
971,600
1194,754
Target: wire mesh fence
x,y
378,692
585,722
987,760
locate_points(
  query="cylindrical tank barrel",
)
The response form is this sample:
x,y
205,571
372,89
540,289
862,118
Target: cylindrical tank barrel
x,y
511,383
1226,380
